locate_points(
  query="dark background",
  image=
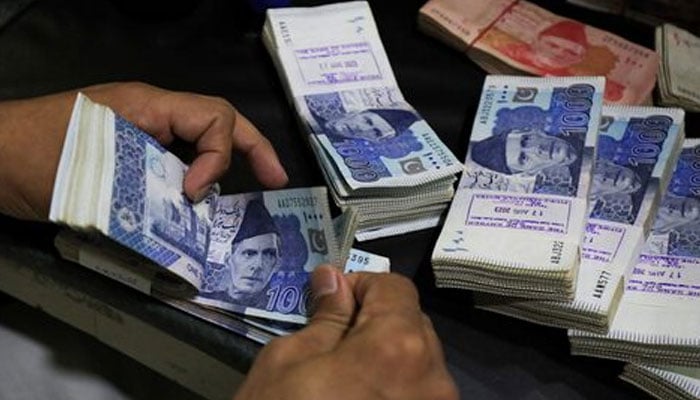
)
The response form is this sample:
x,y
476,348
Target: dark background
x,y
214,47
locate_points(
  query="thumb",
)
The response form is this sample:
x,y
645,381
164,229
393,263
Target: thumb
x,y
335,308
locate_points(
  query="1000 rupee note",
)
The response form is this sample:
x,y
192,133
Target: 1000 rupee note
x,y
344,90
117,180
526,181
636,152
664,382
262,250
657,320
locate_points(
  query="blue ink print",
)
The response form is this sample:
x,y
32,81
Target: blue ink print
x,y
127,214
181,227
361,138
678,216
623,168
547,144
265,266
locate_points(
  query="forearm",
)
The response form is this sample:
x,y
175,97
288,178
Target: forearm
x,y
31,139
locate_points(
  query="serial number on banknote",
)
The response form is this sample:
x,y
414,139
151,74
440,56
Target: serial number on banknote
x,y
296,202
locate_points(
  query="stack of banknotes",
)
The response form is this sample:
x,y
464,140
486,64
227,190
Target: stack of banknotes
x,y
679,69
376,152
636,152
668,383
516,37
515,225
249,254
657,321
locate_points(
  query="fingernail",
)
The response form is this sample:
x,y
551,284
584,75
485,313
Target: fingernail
x,y
324,281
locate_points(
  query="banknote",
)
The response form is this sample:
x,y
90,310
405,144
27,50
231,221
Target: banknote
x,y
375,150
636,152
364,261
526,178
375,138
679,84
657,320
129,188
466,20
328,48
677,224
666,382
250,253
263,248
530,39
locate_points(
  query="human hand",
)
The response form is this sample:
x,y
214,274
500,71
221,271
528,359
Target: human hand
x,y
32,133
368,339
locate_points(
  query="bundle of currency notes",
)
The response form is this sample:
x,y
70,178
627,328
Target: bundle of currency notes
x,y
636,152
516,37
515,225
248,253
664,383
679,69
376,152
657,321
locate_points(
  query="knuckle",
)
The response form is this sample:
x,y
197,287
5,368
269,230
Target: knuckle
x,y
408,349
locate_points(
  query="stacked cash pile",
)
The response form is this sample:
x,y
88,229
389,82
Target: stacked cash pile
x,y
251,254
623,202
516,37
668,383
657,321
376,152
679,69
515,225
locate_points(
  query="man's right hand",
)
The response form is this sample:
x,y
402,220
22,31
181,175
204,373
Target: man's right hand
x,y
368,339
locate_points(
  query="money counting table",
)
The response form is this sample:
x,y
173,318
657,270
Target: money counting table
x,y
215,47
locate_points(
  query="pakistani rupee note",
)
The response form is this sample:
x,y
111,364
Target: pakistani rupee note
x,y
344,90
665,382
262,250
521,203
657,320
679,70
636,152
518,36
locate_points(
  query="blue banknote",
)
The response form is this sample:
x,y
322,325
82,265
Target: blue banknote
x,y
534,136
676,229
149,212
636,147
374,137
263,248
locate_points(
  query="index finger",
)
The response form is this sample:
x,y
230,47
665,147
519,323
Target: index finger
x,y
207,121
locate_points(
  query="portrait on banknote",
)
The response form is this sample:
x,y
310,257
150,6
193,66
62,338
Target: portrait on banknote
x,y
676,229
365,127
263,247
528,151
559,47
375,116
249,248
